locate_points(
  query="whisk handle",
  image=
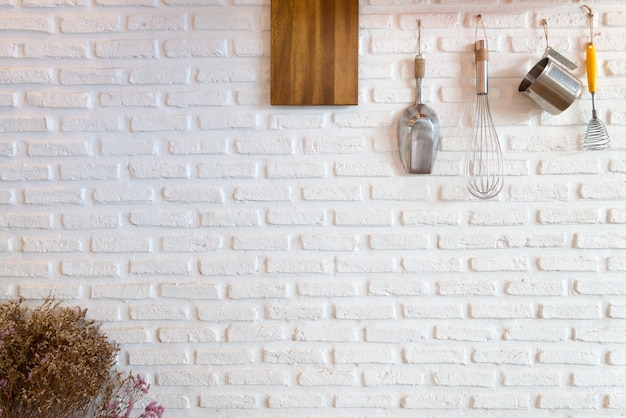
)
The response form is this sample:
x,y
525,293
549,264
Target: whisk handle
x,y
592,68
481,55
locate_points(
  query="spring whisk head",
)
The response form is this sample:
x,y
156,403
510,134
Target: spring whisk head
x,y
596,136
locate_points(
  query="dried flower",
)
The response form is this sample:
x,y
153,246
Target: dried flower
x,y
76,375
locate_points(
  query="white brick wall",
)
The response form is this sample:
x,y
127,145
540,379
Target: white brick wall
x,y
259,261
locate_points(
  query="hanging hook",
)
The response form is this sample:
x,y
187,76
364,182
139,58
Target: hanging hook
x,y
590,18
479,21
419,36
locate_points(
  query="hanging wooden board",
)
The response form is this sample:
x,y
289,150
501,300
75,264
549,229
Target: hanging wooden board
x,y
314,52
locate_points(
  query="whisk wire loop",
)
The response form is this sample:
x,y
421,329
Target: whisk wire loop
x,y
484,162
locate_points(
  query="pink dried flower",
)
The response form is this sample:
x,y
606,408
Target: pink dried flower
x,y
153,410
141,384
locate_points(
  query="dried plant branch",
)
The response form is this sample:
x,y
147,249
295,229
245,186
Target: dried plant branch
x,y
56,363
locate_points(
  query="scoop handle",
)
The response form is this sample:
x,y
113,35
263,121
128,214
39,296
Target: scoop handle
x,y
592,69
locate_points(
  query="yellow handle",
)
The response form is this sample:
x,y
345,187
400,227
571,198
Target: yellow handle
x,y
591,67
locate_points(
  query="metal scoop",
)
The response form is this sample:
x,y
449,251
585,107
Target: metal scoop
x,y
418,127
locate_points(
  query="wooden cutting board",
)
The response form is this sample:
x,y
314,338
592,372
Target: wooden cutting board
x,y
314,52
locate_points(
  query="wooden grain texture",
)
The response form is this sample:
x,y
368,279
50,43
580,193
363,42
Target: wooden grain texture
x,y
314,52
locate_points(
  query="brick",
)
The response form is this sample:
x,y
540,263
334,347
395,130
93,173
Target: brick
x,y
328,193
433,400
160,267
456,333
128,335
81,171
230,312
90,269
60,292
501,402
353,355
600,287
264,242
322,145
164,219
147,22
536,333
302,170
283,401
187,335
386,287
372,310
365,400
157,357
296,311
336,288
190,243
501,310
263,194
466,288
159,312
314,242
279,146
431,264
301,265
502,356
327,377
121,291
568,401
186,379
370,265
233,218
32,173
464,378
127,244
225,357
531,378
435,356
535,288
258,377
228,400
499,264
227,170
255,333
399,242
229,267
570,311
89,23
589,357
191,290
51,245
334,333
431,310
293,356
600,334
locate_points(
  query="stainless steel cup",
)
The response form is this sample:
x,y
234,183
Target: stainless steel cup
x,y
550,85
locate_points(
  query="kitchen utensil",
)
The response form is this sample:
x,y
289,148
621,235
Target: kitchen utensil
x,y
418,126
549,83
596,136
484,167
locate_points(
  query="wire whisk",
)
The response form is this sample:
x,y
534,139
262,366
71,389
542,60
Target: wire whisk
x,y
484,165
596,136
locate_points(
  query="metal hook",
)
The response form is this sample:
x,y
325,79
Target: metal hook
x,y
544,22
419,36
590,23
479,20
